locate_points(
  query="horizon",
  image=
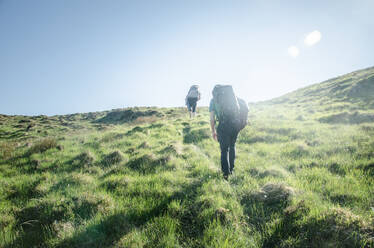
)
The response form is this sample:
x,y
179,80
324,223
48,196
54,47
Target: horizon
x,y
182,106
88,56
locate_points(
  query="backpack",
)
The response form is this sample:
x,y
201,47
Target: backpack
x,y
193,92
226,104
230,109
243,113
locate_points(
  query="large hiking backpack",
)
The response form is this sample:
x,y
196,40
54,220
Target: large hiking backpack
x,y
193,92
229,109
226,104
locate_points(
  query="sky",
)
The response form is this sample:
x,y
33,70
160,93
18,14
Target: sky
x,y
71,56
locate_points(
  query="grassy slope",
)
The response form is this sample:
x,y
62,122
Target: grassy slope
x,y
347,99
151,178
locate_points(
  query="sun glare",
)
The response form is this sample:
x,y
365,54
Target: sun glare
x,y
293,51
312,38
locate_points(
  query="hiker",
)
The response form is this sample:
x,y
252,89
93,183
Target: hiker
x,y
191,100
231,113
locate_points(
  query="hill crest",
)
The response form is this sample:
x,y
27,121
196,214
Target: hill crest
x,y
356,87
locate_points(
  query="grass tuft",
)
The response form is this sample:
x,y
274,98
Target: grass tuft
x,y
113,158
196,135
43,145
7,150
84,159
148,163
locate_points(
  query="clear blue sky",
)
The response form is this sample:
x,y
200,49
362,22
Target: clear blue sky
x,y
59,57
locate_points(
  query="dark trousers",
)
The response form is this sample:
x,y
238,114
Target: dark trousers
x,y
227,136
192,101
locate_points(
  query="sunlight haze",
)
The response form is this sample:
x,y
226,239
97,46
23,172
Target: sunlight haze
x,y
60,57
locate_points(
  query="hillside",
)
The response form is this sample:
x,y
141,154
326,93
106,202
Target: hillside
x,y
150,177
345,99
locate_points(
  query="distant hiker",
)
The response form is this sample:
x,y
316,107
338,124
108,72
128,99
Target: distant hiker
x,y
191,99
231,113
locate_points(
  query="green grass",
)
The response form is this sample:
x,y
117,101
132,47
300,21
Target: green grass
x,y
150,177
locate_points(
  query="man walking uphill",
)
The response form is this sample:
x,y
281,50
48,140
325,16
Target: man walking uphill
x,y
231,113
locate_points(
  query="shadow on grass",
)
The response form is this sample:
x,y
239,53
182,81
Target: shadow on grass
x,y
35,224
112,228
195,135
335,228
103,234
262,206
285,225
109,231
12,135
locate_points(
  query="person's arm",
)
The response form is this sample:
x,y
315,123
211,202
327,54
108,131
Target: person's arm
x,y
213,125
